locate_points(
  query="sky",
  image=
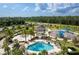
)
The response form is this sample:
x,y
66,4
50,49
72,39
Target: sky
x,y
38,9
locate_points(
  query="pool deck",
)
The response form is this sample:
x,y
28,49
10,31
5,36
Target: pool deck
x,y
1,49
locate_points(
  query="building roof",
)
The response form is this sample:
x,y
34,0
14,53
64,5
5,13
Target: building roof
x,y
53,34
22,38
69,35
40,28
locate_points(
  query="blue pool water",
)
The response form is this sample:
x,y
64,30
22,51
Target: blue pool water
x,y
61,33
40,46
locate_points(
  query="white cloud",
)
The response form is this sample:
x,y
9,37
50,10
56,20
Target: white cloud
x,y
75,10
49,6
37,8
5,6
25,8
54,6
66,5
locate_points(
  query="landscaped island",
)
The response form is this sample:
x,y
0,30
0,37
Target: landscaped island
x,y
56,35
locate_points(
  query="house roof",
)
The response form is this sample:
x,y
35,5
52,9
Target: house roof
x,y
40,28
69,35
22,38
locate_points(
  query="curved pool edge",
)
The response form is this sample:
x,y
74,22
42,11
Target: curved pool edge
x,y
54,50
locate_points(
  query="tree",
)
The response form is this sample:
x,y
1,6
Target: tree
x,y
19,27
24,32
13,28
16,44
6,48
44,52
16,49
9,34
64,47
31,31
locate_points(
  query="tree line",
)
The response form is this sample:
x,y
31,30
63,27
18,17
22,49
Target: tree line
x,y
8,21
68,20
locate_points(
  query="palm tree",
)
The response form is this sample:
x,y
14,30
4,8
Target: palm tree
x,y
16,49
13,28
31,31
8,34
25,32
19,27
16,44
6,48
64,46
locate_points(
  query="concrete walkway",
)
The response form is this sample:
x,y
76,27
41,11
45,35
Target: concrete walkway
x,y
1,49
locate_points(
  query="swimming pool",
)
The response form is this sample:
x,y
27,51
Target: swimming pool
x,y
40,46
61,33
